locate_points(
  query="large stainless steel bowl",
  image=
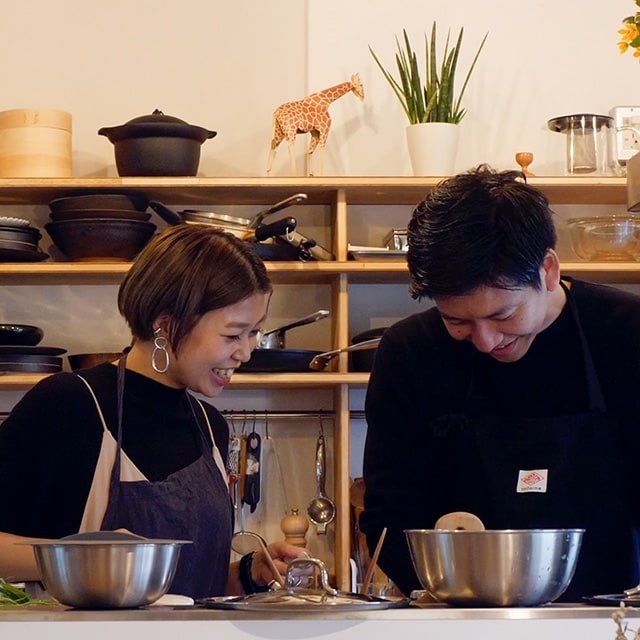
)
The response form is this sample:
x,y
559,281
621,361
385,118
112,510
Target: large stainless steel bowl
x,y
501,568
108,570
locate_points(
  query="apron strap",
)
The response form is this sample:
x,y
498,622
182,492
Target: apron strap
x,y
594,389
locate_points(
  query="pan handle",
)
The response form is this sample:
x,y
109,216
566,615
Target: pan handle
x,y
274,338
283,204
320,361
278,228
168,215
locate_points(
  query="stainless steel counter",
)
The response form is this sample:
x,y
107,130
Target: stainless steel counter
x,y
552,622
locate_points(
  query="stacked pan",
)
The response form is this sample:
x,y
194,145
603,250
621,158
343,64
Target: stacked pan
x,y
19,241
105,227
20,350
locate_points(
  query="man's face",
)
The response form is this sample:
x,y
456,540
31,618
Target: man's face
x,y
500,322
504,322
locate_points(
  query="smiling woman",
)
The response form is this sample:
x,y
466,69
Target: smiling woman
x,y
124,445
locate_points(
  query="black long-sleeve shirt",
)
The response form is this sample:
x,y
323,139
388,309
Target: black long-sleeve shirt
x,y
49,445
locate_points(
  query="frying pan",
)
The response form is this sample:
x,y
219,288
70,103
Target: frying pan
x,y
297,360
251,230
279,361
270,356
30,363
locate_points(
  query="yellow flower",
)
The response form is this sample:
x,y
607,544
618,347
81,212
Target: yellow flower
x,y
628,34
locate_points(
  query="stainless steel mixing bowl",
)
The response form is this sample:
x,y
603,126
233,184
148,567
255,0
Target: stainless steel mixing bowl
x,y
107,570
500,568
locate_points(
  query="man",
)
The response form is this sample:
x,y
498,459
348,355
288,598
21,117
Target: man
x,y
515,398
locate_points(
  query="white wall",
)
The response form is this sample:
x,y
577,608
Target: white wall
x,y
542,59
226,66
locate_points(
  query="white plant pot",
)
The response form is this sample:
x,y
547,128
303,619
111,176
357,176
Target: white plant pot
x,y
433,147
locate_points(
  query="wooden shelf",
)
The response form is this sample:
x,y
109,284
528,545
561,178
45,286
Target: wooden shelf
x,y
315,380
372,190
381,272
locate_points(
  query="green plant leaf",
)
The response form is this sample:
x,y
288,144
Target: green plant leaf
x,y
434,99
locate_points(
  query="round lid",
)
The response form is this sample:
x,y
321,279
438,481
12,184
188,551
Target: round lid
x,y
578,121
156,124
157,117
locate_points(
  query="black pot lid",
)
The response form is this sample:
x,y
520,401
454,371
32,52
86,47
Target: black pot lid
x,y
156,124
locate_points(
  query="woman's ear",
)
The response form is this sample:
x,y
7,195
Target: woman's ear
x,y
163,323
551,270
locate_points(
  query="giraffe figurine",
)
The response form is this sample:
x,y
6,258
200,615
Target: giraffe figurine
x,y
309,115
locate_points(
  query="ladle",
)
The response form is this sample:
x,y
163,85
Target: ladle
x,y
321,509
320,361
244,542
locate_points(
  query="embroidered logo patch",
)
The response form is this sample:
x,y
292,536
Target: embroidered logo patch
x,y
532,480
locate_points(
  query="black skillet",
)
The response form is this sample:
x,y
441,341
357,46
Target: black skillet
x,y
279,361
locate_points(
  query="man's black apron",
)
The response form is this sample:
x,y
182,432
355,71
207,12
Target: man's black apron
x,y
190,504
498,460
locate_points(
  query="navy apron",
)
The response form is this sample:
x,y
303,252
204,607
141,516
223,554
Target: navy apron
x,y
503,462
190,504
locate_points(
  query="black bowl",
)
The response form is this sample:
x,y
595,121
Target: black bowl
x,y
101,239
20,334
98,201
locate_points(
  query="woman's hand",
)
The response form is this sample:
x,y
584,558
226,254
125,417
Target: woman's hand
x,y
281,554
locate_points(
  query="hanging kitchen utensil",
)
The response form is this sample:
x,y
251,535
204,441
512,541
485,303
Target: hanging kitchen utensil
x,y
321,509
251,490
233,466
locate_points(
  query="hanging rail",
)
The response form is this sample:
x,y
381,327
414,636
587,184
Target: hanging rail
x,y
235,414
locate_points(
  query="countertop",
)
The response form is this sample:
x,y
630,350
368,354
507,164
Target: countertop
x,y
550,622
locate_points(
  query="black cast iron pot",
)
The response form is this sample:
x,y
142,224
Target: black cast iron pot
x,y
157,145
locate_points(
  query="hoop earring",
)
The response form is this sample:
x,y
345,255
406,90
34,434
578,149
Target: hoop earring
x,y
160,346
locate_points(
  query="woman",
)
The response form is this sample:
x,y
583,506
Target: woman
x,y
124,445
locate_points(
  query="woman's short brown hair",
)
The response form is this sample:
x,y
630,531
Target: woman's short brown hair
x,y
185,272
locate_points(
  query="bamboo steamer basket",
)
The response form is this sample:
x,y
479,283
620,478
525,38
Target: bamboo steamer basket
x,y
35,143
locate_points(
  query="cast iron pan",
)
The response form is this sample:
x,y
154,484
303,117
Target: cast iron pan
x,y
279,361
30,364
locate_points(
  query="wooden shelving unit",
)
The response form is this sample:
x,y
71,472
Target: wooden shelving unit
x,y
335,193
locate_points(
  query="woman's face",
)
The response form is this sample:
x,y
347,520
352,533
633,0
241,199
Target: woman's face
x,y
219,343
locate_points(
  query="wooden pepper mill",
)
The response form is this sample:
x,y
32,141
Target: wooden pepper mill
x,y
295,527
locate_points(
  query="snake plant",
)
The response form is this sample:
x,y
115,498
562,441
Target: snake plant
x,y
433,100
